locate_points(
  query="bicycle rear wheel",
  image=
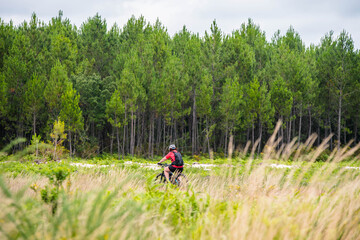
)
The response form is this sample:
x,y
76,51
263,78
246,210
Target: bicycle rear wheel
x,y
181,180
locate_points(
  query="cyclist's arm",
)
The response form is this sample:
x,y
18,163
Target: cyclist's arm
x,y
163,159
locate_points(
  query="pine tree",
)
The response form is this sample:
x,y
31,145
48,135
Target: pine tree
x,y
71,112
54,89
93,44
231,106
258,107
3,95
115,109
58,135
34,100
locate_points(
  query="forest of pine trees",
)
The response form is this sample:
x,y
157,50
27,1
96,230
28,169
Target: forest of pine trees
x,y
136,89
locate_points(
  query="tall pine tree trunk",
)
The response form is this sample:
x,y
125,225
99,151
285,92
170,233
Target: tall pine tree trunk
x,y
100,138
356,128
330,132
253,133
247,134
124,136
143,136
164,143
152,136
20,132
344,132
159,133
226,137
117,138
207,137
260,135
231,144
326,128
132,134
74,145
172,126
151,130
289,130
339,120
282,130
310,122
55,143
70,143
138,135
300,121
175,131
34,123
193,140
112,140
293,129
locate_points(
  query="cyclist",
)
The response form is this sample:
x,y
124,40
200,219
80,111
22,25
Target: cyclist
x,y
177,164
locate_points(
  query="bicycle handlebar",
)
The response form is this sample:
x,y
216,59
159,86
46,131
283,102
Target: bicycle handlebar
x,y
163,165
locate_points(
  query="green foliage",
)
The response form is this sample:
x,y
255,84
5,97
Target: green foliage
x,y
196,91
50,193
281,97
58,175
71,110
34,103
115,109
35,142
258,101
64,50
55,88
94,92
181,209
58,135
232,103
93,44
50,196
13,143
3,95
214,205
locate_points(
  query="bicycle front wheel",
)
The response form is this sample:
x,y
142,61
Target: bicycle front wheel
x,y
160,178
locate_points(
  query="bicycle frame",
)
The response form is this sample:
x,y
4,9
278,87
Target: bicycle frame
x,y
161,176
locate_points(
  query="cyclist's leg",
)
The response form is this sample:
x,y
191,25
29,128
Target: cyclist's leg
x,y
174,175
178,173
166,172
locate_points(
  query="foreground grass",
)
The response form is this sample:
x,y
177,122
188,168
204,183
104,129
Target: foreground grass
x,y
245,198
251,202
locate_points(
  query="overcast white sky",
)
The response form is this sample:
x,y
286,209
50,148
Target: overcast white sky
x,y
311,19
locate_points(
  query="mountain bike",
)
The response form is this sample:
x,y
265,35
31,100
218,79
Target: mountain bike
x,y
175,178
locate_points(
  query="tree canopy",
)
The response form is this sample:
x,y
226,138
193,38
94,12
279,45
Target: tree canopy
x,y
146,89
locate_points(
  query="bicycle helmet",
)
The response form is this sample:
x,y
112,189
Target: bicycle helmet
x,y
172,147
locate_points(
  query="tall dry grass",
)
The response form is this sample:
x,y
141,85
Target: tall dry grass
x,y
303,201
307,200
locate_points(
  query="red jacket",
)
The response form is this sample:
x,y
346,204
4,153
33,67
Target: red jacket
x,y
171,156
